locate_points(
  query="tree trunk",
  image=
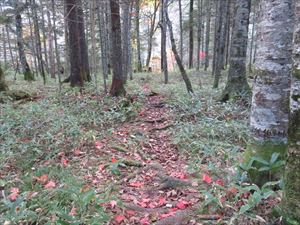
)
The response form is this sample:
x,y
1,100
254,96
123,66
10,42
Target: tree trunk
x,y
78,50
151,33
291,197
199,33
207,36
138,40
252,41
38,40
28,75
174,49
83,43
3,86
218,43
237,85
4,48
126,37
181,29
117,86
43,28
57,55
10,47
271,89
50,44
191,34
104,47
163,25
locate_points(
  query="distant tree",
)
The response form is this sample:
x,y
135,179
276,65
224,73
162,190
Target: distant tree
x,y
28,75
174,49
138,38
37,38
191,34
78,49
152,28
117,86
237,85
291,197
199,32
271,88
3,86
163,52
207,35
180,29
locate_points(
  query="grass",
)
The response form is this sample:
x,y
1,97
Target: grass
x,y
37,136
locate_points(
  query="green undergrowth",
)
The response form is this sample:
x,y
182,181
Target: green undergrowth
x,y
33,134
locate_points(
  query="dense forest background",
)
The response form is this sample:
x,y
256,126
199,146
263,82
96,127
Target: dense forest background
x,y
149,112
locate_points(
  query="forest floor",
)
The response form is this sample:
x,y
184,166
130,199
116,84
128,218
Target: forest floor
x,y
158,156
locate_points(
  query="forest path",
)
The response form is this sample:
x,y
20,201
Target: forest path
x,y
154,184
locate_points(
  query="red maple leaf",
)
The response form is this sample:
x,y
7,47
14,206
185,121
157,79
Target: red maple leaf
x,y
206,178
119,218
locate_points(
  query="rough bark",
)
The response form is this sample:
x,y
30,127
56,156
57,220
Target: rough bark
x,y
252,40
4,47
78,49
207,35
270,101
292,173
28,75
117,86
177,57
191,34
237,85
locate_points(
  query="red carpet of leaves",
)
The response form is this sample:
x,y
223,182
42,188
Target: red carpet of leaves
x,y
138,188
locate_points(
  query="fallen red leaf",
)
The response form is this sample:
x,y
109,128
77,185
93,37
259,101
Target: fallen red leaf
x,y
42,179
101,167
182,204
114,160
162,201
64,162
99,145
50,185
130,212
145,221
206,178
136,184
119,218
220,182
14,194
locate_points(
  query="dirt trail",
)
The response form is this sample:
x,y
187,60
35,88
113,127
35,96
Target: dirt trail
x,y
158,188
